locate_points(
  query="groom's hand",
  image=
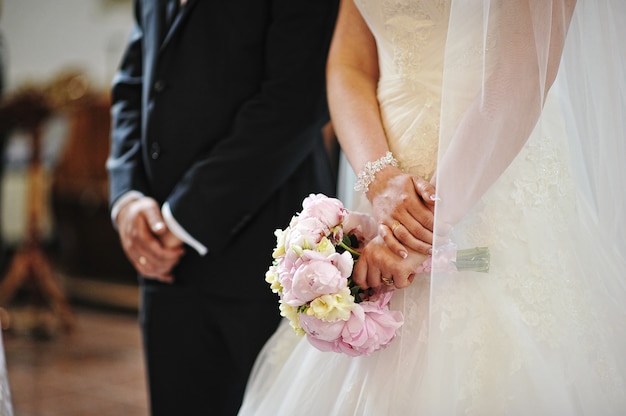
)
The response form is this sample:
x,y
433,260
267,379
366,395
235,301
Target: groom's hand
x,y
147,242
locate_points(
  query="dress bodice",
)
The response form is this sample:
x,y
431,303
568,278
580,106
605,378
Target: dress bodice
x,y
410,37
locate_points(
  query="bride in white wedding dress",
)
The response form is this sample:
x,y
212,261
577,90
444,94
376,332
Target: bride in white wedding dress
x,y
515,112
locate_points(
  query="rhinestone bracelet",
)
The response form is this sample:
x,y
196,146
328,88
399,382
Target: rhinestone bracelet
x,y
366,176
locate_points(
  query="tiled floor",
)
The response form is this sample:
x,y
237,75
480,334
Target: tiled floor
x,y
96,370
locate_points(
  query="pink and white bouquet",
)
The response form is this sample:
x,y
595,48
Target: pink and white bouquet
x,y
311,272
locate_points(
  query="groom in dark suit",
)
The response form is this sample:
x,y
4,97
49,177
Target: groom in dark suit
x,y
217,114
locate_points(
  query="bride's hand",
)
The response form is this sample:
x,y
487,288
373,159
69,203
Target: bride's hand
x,y
403,204
378,265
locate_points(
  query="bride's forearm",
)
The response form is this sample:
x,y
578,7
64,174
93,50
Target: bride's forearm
x,y
356,118
352,80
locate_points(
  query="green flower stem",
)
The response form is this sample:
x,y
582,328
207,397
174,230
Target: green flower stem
x,y
352,251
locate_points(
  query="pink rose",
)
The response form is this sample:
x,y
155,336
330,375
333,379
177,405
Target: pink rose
x,y
362,225
375,328
328,346
321,331
371,326
306,233
286,267
343,262
380,296
330,211
316,275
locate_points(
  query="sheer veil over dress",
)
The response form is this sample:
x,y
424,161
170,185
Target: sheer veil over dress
x,y
533,168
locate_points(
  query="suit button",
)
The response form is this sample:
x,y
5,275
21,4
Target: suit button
x,y
159,85
155,151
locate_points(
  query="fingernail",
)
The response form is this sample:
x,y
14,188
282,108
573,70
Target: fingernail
x,y
434,198
430,251
158,226
404,254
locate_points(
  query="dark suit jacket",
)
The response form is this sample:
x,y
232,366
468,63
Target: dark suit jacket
x,y
220,116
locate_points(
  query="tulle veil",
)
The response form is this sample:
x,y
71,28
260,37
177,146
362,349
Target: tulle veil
x,y
552,309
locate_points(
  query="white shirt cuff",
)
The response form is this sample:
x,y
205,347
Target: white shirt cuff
x,y
123,200
180,232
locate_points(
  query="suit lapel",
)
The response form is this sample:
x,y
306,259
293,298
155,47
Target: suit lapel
x,y
153,27
178,19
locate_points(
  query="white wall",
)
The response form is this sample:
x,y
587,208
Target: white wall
x,y
43,37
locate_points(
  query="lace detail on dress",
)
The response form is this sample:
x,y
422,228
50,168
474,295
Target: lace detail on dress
x,y
415,145
529,272
408,35
410,26
543,192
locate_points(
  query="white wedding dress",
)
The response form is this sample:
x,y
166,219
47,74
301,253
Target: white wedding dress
x,y
543,332
6,409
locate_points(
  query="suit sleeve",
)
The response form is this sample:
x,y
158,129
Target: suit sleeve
x,y
272,132
124,164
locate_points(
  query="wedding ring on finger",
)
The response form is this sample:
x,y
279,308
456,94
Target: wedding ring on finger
x,y
387,280
395,225
142,260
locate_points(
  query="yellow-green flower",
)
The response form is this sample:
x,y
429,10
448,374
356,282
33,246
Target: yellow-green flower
x,y
280,243
325,247
291,313
271,277
334,307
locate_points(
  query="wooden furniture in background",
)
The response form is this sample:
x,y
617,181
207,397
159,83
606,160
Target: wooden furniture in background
x,y
87,244
30,266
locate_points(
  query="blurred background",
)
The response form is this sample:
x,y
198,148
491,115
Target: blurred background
x,y
68,297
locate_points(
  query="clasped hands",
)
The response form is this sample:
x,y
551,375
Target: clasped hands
x,y
404,206
148,243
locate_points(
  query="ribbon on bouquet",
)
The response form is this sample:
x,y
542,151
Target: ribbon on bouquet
x,y
448,258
